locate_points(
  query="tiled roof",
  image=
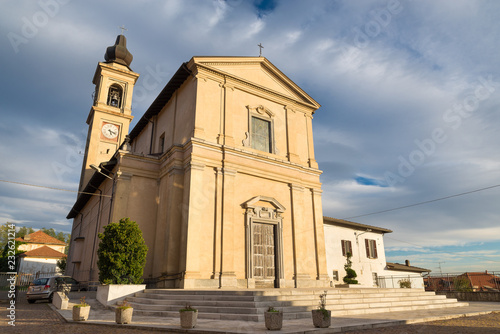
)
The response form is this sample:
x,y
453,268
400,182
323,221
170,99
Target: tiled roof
x,y
45,252
404,267
39,237
356,226
483,280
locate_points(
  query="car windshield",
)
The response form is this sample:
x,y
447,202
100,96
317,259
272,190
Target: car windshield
x,y
40,281
66,280
69,280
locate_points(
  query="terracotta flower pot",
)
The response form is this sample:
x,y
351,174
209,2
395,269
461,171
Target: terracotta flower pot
x,y
81,313
322,318
274,320
123,315
188,319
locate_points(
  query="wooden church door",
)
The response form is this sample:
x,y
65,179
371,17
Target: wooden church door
x,y
264,270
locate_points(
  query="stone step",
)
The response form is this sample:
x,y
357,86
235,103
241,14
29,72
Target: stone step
x,y
250,305
294,315
142,298
285,292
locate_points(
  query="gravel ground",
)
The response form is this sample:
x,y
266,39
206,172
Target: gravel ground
x,y
39,318
489,323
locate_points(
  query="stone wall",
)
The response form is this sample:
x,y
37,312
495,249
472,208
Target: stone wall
x,y
480,296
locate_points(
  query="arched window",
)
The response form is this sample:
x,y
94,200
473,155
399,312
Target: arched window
x,y
115,95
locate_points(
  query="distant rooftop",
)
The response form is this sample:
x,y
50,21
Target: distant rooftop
x,y
357,226
40,237
45,252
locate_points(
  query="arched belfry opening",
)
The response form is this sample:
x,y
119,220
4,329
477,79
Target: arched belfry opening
x,y
115,96
264,242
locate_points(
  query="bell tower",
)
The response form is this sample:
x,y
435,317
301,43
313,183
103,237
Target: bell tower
x,y
110,116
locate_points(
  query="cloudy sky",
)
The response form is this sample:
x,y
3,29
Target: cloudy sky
x,y
410,92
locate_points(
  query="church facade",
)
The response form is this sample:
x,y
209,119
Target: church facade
x,y
219,173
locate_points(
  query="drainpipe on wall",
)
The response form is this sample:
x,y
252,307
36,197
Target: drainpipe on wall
x,y
95,235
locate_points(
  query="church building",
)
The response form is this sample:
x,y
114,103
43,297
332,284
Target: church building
x,y
219,173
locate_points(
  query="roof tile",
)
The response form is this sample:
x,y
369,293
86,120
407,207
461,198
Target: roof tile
x,y
43,251
40,237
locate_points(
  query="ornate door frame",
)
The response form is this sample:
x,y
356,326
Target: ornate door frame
x,y
255,213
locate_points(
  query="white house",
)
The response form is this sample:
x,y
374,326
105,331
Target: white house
x,y
41,253
366,245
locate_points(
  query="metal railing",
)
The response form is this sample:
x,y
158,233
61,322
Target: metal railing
x,y
23,280
401,281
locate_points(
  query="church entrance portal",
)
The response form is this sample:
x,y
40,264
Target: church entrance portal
x,y
264,268
264,242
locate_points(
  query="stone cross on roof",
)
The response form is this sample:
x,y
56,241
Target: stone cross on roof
x,y
260,50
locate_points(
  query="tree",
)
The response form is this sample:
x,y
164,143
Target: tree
x,y
5,256
462,284
24,231
7,228
350,273
61,264
121,256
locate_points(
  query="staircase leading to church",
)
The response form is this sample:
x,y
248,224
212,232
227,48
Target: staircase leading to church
x,y
250,305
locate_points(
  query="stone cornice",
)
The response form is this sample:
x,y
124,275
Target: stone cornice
x,y
105,110
125,72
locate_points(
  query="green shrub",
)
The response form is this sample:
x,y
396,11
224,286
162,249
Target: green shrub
x,y
405,283
122,253
462,284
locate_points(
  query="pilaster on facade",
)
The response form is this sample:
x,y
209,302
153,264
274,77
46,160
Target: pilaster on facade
x,y
228,129
310,142
299,233
227,228
319,235
192,217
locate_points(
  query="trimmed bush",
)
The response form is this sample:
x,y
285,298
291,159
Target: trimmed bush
x,y
350,276
122,253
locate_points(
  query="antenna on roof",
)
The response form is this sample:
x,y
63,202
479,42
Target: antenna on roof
x,y
440,269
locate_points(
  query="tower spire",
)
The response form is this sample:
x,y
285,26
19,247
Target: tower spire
x,y
119,53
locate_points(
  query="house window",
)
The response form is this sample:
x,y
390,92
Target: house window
x,y
261,134
335,275
346,247
371,248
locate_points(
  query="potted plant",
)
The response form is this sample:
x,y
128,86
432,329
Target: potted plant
x,y
350,276
322,317
189,317
81,311
123,313
273,318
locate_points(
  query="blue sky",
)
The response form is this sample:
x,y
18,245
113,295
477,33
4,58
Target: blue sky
x,y
410,93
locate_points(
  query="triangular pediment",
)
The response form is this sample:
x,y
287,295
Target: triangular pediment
x,y
260,72
256,201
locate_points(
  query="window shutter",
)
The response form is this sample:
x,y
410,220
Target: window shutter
x,y
349,247
375,249
344,252
367,245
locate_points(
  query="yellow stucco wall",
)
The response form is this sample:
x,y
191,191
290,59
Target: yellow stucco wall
x,y
191,201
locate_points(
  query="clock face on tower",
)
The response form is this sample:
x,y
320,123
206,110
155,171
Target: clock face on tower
x,y
110,131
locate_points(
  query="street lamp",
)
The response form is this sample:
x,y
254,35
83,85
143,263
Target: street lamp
x,y
98,169
357,235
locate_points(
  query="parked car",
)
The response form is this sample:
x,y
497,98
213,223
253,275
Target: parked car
x,y
44,288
